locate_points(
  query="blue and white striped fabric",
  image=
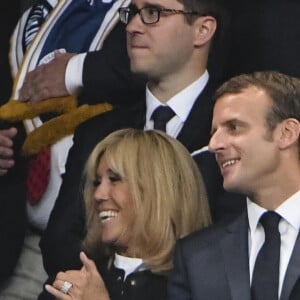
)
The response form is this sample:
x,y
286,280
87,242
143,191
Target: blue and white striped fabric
x,y
37,15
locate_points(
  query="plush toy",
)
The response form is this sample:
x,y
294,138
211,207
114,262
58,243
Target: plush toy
x,y
69,117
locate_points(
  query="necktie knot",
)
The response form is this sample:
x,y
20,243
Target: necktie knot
x,y
270,220
161,116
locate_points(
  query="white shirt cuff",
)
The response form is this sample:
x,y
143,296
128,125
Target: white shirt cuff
x,y
73,76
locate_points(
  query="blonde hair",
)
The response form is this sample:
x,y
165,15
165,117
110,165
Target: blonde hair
x,y
167,189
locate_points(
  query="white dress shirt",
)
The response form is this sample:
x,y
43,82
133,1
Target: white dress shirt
x,y
288,227
181,104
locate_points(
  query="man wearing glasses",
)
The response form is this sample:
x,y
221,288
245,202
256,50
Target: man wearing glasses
x,y
169,42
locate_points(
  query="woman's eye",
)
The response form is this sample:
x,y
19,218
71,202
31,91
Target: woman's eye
x,y
96,182
114,177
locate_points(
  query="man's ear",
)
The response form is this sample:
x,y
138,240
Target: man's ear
x,y
205,28
289,133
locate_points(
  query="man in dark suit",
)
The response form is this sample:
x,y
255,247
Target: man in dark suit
x,y
255,139
177,80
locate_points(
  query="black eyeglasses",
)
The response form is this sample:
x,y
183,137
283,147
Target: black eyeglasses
x,y
149,14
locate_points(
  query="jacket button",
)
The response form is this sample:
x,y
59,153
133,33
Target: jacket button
x,y
133,282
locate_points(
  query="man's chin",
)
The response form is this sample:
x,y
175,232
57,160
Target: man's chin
x,y
230,186
138,69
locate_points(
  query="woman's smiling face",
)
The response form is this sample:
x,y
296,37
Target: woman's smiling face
x,y
114,204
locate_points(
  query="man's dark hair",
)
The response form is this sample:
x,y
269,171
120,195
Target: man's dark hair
x,y
283,90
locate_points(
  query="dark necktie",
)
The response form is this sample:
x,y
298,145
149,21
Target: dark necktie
x,y
265,277
161,116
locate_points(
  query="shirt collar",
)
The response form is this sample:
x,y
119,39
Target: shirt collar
x,y
254,213
182,102
128,264
288,210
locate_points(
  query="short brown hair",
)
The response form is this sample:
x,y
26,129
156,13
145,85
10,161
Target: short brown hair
x,y
214,8
283,90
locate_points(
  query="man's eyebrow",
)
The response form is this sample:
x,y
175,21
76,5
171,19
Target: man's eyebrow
x,y
147,4
226,123
132,5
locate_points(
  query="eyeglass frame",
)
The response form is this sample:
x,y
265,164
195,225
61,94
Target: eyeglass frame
x,y
159,10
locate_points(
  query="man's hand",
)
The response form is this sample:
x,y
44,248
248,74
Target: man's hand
x,y
6,151
47,80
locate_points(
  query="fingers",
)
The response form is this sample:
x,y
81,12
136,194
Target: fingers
x,y
47,80
56,289
27,90
88,264
5,165
58,284
6,151
90,270
57,293
59,52
35,86
6,142
9,133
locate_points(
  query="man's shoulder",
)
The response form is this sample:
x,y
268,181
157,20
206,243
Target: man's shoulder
x,y
118,118
205,236
210,236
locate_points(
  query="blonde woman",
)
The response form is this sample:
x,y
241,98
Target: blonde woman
x,y
143,191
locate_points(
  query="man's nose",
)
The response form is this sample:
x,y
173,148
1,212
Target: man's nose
x,y
217,142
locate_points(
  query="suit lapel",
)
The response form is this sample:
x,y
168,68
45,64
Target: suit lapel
x,y
293,271
234,248
196,129
135,117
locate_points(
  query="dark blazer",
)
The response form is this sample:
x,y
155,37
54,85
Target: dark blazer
x,y
13,218
213,264
9,15
61,242
138,285
143,285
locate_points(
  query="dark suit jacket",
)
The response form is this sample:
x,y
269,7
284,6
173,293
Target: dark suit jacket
x,y
61,242
9,15
139,285
12,212
213,264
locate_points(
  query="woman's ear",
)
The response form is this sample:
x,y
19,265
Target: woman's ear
x,y
205,28
289,133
